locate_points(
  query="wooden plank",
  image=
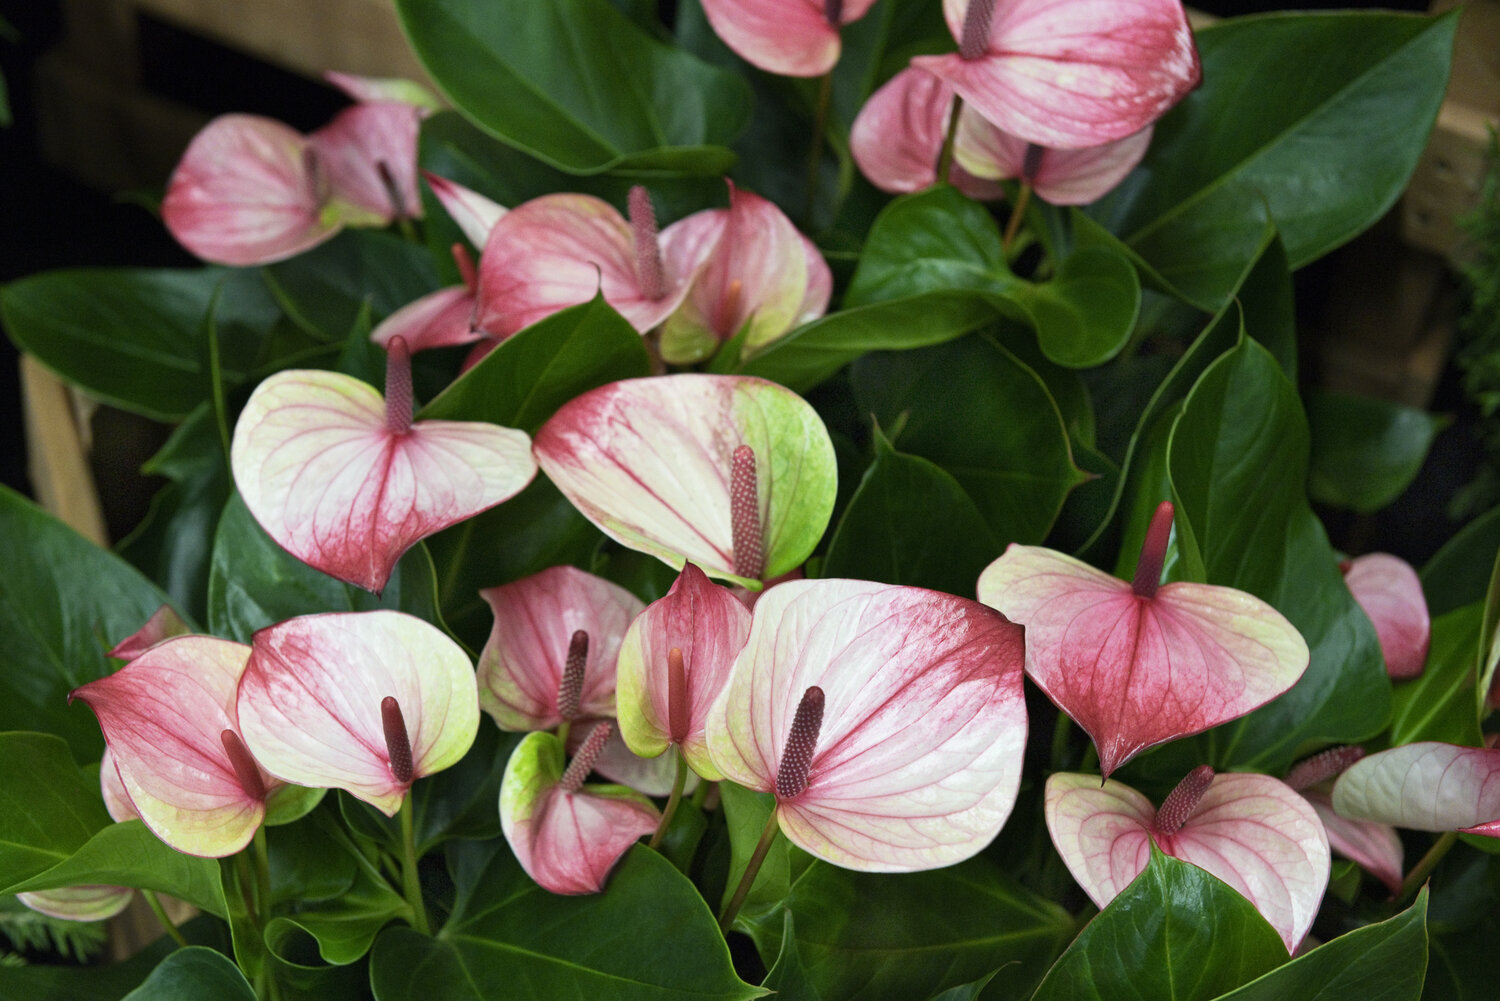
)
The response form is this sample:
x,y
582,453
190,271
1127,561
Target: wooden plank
x,y
57,461
1448,180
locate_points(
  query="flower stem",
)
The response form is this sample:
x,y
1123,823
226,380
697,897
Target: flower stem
x,y
672,800
815,151
410,884
945,157
1419,872
262,877
1013,225
168,925
752,869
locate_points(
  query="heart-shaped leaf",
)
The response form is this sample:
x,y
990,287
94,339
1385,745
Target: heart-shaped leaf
x,y
192,974
1365,451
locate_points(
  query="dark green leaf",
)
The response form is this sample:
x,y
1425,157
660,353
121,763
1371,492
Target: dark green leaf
x,y
1327,90
1459,573
1365,451
98,983
788,978
133,337
576,84
47,810
1442,704
1175,933
343,928
253,582
64,602
193,974
523,381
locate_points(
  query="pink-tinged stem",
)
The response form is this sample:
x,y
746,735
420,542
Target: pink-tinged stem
x,y
1031,162
570,687
1323,765
245,768
465,262
583,761
796,757
976,34
833,10
397,743
1153,552
677,697
744,515
1180,804
399,402
411,883
945,155
648,270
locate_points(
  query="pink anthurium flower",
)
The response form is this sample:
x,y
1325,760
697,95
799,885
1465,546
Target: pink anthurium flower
x,y
347,482
1137,664
170,722
674,661
1251,831
1425,786
1066,74
1058,176
757,271
1389,591
367,702
1376,847
438,319
567,835
888,721
163,624
733,473
559,250
475,214
368,154
786,37
372,89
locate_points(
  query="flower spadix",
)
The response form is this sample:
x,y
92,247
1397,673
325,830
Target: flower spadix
x,y
1374,846
1251,831
788,37
673,663
888,721
567,835
1069,73
1390,593
346,482
1426,786
170,722
1139,663
733,473
367,702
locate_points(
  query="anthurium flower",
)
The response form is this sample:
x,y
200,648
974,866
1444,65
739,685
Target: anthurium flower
x,y
786,37
733,473
347,482
438,319
475,214
370,89
1389,591
1425,786
1059,176
551,653
757,270
673,663
170,722
567,835
1067,74
1251,831
367,702
559,250
1136,664
368,154
888,721
163,624
1375,847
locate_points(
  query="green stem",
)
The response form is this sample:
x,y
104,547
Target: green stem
x,y
752,869
1019,213
672,800
167,923
262,876
1419,872
945,158
1060,734
562,734
815,152
410,884
408,231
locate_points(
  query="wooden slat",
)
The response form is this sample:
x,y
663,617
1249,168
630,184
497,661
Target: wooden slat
x,y
58,465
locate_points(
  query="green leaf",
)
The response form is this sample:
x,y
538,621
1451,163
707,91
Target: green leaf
x,y
745,816
910,935
325,290
788,977
193,974
133,337
1327,90
577,85
1442,704
47,810
64,602
648,936
1365,451
1238,459
1176,933
253,582
910,522
342,928
1380,962
524,380
986,418
95,982
1459,573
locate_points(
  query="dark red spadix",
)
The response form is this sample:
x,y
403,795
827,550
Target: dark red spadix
x,y
399,401
583,762
1182,801
976,34
1153,552
570,686
397,743
744,515
797,755
648,268
1322,766
677,697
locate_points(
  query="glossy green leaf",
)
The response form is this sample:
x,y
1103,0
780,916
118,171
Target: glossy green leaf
x,y
344,927
133,337
788,977
253,582
1441,704
523,381
910,522
193,974
325,290
1238,459
64,602
1176,933
1379,962
1365,451
649,936
576,84
1327,90
975,409
1459,573
47,809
